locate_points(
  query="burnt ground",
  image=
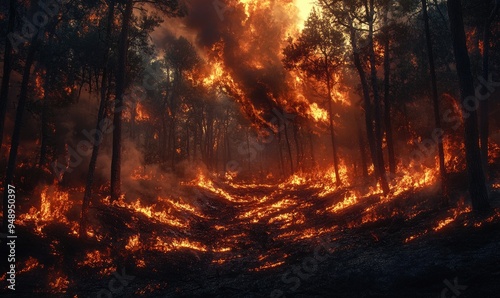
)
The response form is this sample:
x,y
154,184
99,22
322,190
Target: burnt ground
x,y
270,256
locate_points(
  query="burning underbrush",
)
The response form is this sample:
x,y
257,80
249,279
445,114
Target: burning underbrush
x,y
217,229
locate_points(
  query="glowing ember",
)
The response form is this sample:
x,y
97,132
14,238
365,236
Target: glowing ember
x,y
58,282
29,265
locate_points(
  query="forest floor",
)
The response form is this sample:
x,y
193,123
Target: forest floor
x,y
277,241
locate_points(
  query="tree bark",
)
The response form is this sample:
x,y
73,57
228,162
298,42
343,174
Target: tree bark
x,y
368,113
280,151
289,148
298,154
87,197
120,90
11,165
387,101
362,151
477,183
376,102
338,182
435,101
7,68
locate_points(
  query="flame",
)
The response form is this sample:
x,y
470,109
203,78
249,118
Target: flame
x,y
39,90
216,74
456,212
54,205
30,264
133,243
151,212
317,113
349,200
141,113
58,281
304,8
166,245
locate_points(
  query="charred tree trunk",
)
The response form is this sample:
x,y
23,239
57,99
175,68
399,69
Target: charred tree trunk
x,y
387,101
289,148
120,90
367,108
163,139
376,103
483,104
477,183
311,146
87,197
435,101
332,131
297,146
173,141
7,68
11,165
362,151
282,162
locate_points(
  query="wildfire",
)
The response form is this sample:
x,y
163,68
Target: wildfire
x,y
349,200
30,264
54,205
216,74
151,212
141,113
39,90
457,212
207,184
166,245
58,282
96,258
133,243
317,113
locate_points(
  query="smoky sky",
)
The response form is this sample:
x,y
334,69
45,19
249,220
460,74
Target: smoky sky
x,y
251,45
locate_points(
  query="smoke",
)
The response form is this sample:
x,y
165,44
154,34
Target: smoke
x,y
251,37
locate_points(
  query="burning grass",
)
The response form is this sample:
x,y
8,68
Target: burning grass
x,y
255,227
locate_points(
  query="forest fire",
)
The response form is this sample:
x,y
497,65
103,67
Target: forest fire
x,y
245,148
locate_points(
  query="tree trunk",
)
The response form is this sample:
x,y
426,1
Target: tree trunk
x,y
483,104
477,183
311,146
368,118
87,197
435,101
120,90
298,154
338,182
376,103
362,151
289,148
11,165
280,151
387,101
7,68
